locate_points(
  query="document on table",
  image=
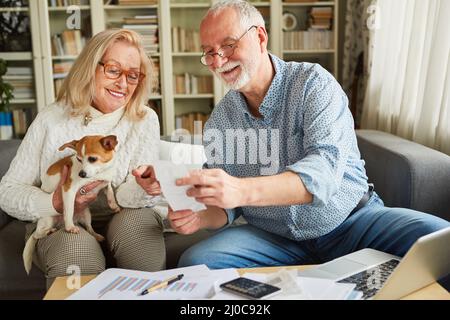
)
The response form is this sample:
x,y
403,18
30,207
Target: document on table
x,y
124,284
167,173
297,288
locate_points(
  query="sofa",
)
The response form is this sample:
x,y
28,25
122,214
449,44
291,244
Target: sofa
x,y
405,174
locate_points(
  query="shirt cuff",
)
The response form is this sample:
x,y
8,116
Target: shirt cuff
x,y
44,205
315,180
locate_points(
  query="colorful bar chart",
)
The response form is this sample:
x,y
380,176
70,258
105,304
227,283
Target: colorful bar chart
x,y
127,284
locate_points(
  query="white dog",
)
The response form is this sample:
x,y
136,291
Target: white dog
x,y
93,161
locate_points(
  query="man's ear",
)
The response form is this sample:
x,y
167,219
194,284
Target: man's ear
x,y
72,145
109,142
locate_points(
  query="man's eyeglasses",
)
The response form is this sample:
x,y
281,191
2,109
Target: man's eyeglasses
x,y
224,52
113,72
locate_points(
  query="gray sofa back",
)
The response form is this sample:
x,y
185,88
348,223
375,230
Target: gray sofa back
x,y
8,149
406,174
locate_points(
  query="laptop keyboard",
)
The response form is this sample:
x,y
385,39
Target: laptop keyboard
x,y
371,280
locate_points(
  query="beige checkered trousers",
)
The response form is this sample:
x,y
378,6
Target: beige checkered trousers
x,y
134,238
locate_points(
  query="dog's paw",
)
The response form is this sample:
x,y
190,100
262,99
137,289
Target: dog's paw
x,y
116,210
52,230
72,229
99,237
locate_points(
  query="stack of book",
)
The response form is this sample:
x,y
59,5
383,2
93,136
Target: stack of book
x,y
155,82
137,2
308,40
186,121
321,18
69,42
60,71
147,27
185,40
191,84
21,79
66,3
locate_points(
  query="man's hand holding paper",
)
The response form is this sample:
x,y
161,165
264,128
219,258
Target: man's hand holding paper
x,y
214,187
167,173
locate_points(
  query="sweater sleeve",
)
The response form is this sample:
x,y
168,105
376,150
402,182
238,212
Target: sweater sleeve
x,y
20,194
130,194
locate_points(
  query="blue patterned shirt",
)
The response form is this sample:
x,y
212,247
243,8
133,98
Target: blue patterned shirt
x,y
306,127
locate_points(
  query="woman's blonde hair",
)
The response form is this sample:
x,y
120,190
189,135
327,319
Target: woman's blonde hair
x,y
78,88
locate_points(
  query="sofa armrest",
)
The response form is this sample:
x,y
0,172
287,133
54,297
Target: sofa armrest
x,y
406,174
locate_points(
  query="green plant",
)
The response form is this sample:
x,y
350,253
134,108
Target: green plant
x,y
5,89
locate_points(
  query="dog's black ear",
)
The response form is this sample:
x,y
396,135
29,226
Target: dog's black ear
x,y
109,142
72,145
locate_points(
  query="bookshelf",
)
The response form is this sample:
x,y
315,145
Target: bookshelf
x,y
193,86
309,32
170,28
24,70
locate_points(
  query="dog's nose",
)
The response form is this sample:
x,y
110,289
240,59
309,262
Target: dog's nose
x,y
82,174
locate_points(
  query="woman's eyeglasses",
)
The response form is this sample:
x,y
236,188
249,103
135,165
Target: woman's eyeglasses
x,y
113,72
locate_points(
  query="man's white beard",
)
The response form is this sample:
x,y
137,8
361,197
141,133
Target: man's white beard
x,y
241,80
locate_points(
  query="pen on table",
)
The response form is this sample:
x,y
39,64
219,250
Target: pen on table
x,y
162,284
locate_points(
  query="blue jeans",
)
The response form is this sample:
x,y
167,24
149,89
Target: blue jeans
x,y
392,230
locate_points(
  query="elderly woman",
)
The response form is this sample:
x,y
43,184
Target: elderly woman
x,y
103,94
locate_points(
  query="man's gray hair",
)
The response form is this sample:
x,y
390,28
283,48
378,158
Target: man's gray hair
x,y
248,14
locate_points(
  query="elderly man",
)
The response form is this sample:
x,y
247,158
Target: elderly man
x,y
309,202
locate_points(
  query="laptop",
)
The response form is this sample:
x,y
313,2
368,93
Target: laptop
x,y
380,275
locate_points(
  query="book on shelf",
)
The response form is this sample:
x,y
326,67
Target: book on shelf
x,y
23,90
21,119
19,71
308,40
69,42
187,121
149,19
321,18
137,2
147,27
62,67
66,3
299,1
192,84
185,40
155,82
6,126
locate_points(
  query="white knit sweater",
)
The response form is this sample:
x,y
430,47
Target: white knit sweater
x,y
138,143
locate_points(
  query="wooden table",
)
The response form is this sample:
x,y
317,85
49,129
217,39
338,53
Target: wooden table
x,y
59,290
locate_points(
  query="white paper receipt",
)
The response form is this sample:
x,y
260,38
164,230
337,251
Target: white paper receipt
x,y
167,173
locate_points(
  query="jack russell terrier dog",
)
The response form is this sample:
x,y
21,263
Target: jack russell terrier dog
x,y
93,161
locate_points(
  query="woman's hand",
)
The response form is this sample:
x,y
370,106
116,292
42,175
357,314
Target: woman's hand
x,y
82,201
146,178
184,221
